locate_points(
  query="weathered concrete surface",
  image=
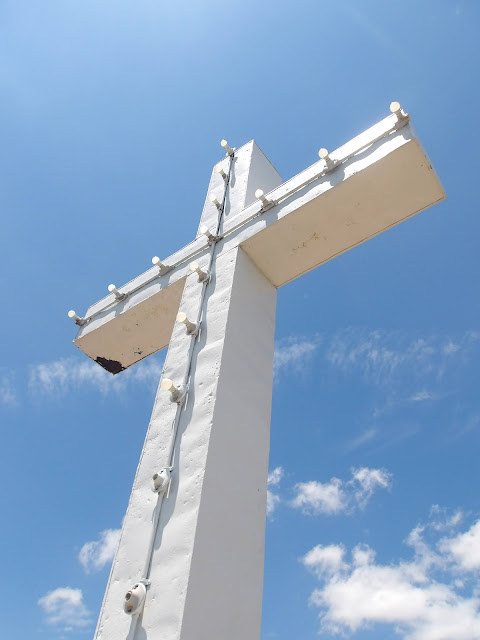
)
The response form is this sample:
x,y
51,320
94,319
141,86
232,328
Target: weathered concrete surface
x,y
207,568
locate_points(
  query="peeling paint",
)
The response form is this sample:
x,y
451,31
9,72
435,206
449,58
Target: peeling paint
x,y
112,366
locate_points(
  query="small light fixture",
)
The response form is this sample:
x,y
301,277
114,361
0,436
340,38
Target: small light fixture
x,y
134,599
228,149
177,394
211,237
214,200
397,110
113,289
161,480
202,275
266,203
78,320
158,263
219,169
324,155
191,327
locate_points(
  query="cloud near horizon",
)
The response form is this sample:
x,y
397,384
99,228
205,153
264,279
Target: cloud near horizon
x,y
434,596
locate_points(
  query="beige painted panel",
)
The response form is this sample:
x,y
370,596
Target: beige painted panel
x,y
136,333
380,196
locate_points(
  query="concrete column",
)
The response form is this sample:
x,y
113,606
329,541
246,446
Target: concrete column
x,y
207,565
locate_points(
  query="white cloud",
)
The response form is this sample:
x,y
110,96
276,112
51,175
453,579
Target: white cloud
x,y
272,501
422,396
274,478
366,481
464,548
316,497
294,353
94,555
64,607
325,560
8,394
64,375
367,436
434,596
338,496
381,357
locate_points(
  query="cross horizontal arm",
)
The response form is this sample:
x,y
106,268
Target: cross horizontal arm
x,y
368,185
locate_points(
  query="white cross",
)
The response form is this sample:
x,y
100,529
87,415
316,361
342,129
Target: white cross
x,y
189,565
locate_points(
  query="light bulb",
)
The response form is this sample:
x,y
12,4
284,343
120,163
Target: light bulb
x,y
397,110
158,263
209,235
265,201
191,327
228,149
78,320
176,394
195,267
323,153
113,289
213,198
219,169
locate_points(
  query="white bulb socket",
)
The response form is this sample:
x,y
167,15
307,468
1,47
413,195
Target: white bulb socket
x,y
214,200
113,289
78,320
204,230
219,169
191,327
202,275
176,393
228,149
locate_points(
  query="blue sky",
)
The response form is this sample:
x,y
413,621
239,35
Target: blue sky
x,y
112,115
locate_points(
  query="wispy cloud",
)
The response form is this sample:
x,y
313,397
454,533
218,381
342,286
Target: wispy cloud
x,y
62,376
295,353
422,396
366,436
273,499
94,555
433,596
65,609
337,496
8,395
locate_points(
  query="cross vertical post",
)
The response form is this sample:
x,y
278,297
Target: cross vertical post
x,y
201,559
